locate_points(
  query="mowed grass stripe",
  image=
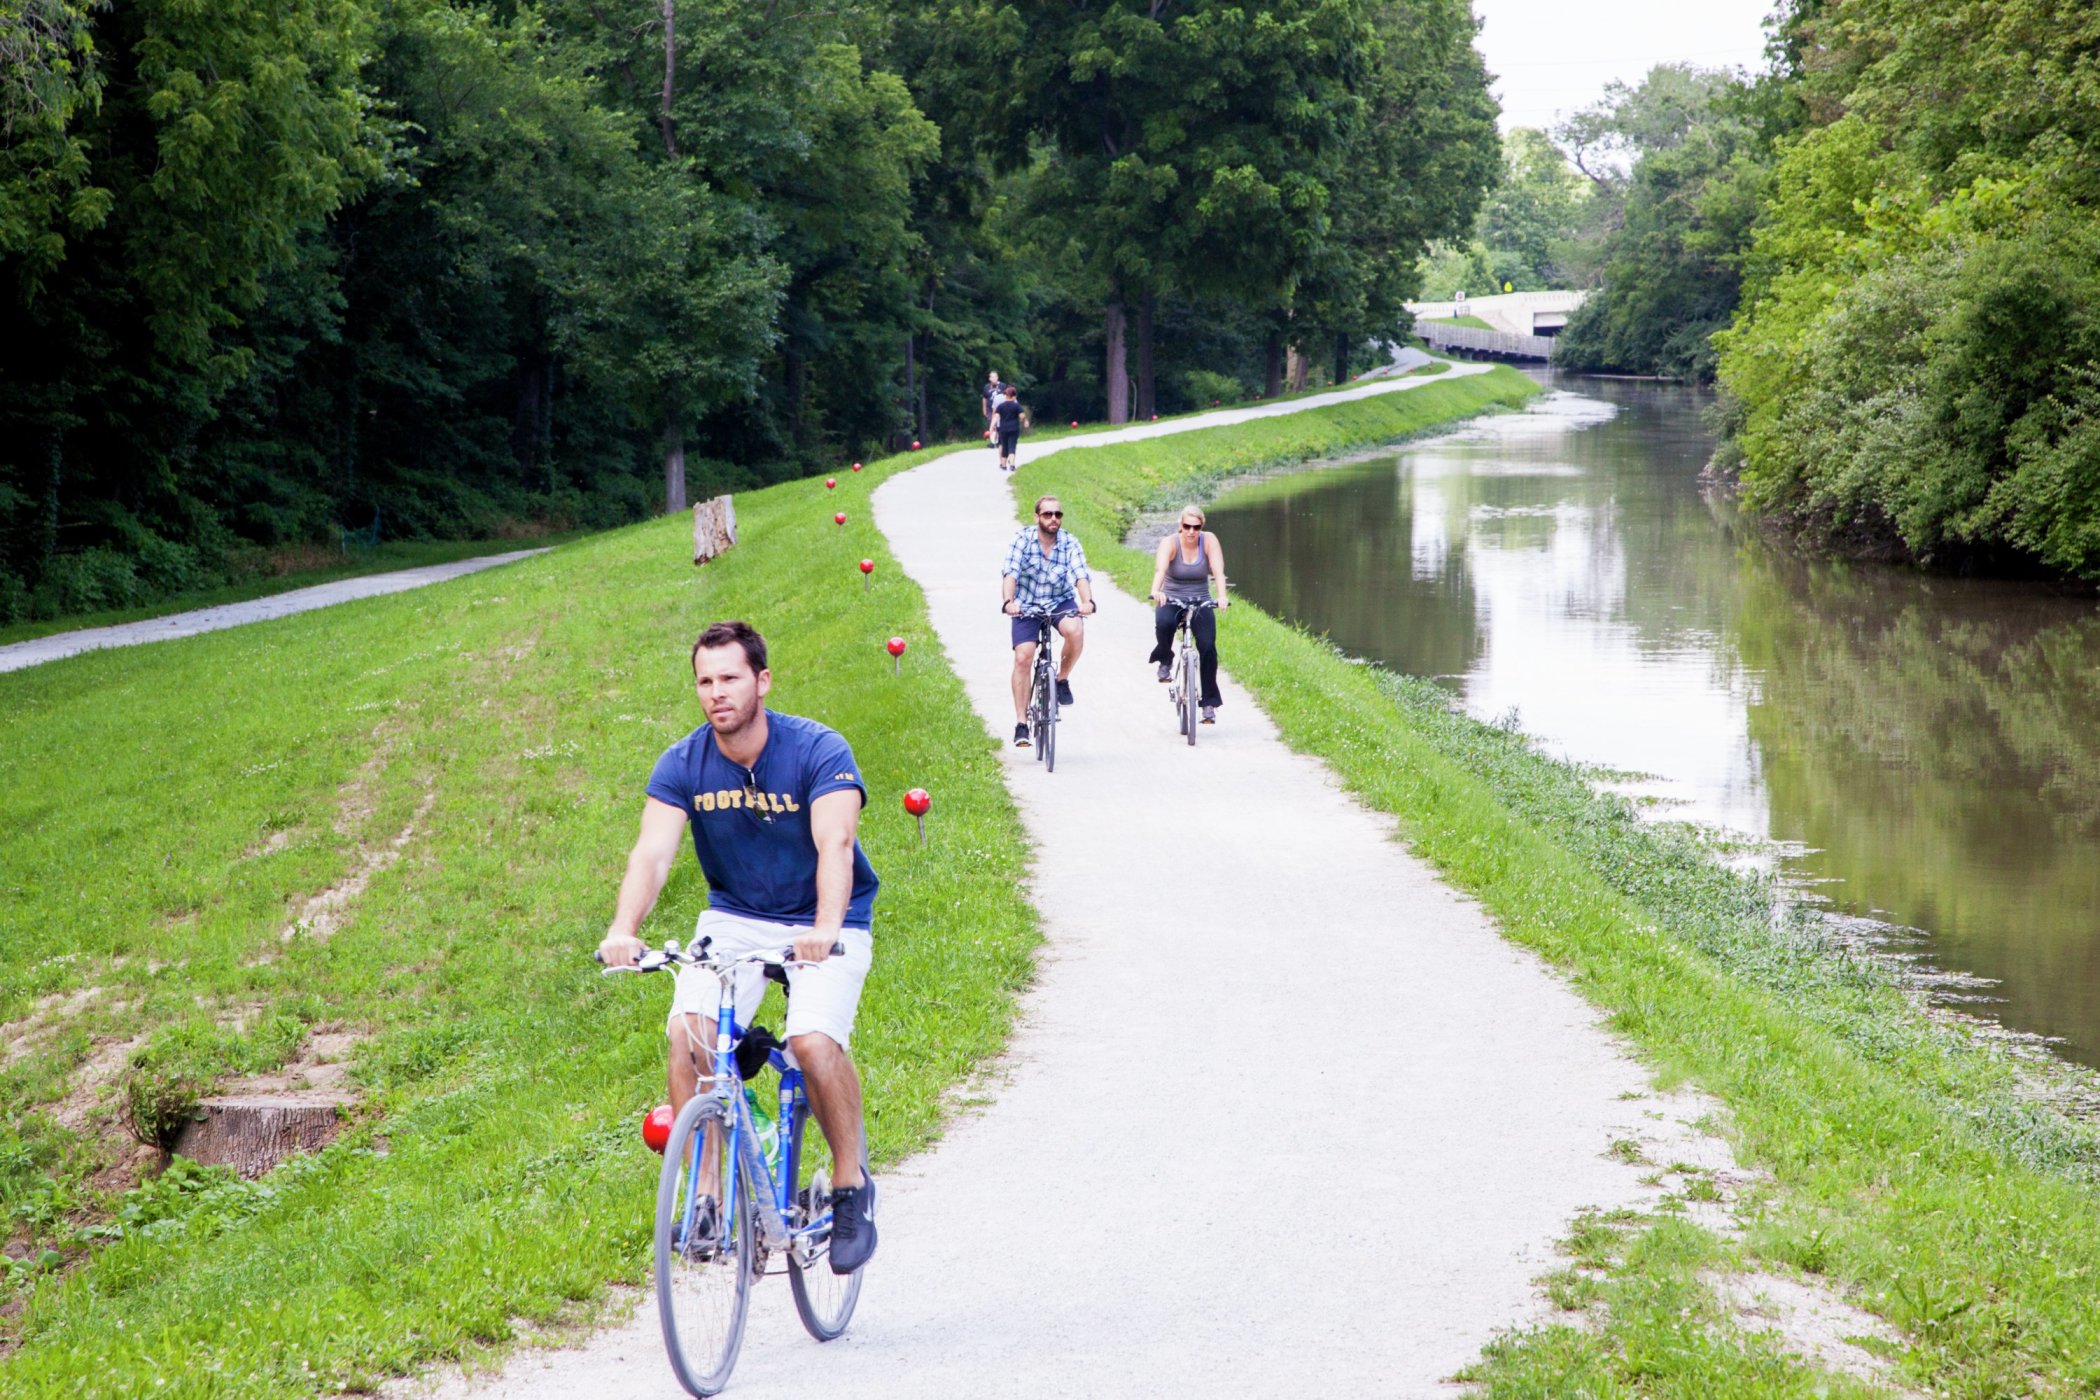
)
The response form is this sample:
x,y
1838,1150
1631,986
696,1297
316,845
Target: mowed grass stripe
x,y
171,808
1909,1170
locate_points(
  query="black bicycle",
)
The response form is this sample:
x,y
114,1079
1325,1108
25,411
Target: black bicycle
x,y
1042,691
1185,690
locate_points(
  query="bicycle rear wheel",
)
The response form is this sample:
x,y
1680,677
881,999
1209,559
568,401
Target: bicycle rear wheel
x,y
1189,697
703,1269
823,1299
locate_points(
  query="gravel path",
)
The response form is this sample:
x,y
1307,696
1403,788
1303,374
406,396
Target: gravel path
x,y
1283,1115
17,655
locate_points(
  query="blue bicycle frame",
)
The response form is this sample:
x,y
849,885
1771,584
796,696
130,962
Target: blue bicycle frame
x,y
741,1148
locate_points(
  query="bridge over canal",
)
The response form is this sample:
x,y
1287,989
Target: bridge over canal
x,y
1520,325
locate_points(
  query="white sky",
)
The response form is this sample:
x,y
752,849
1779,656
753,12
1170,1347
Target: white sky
x,y
1553,57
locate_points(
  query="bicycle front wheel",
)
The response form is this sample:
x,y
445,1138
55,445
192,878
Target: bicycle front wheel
x,y
1050,733
823,1299
1189,697
703,1257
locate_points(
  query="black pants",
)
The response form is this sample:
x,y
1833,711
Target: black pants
x,y
1205,627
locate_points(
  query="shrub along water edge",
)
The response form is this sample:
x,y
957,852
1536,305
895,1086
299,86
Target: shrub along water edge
x,y
1907,1167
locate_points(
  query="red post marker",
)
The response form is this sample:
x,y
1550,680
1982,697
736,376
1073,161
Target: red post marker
x,y
839,519
1155,417
918,803
896,656
831,483
915,444
656,1127
856,466
1075,422
867,572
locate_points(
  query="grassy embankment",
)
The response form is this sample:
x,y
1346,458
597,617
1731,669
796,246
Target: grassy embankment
x,y
1905,1167
170,811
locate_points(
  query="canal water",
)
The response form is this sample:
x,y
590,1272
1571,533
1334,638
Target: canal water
x,y
1923,753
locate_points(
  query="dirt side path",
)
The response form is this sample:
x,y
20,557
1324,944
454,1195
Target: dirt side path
x,y
17,655
1284,1114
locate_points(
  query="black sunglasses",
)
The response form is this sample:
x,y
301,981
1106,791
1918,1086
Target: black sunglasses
x,y
1192,527
754,800
1051,514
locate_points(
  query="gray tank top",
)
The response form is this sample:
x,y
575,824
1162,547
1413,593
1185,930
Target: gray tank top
x,y
1187,582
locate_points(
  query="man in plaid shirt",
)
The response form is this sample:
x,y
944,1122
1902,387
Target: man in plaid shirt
x,y
1045,573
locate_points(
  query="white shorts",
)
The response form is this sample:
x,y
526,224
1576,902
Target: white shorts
x,y
823,997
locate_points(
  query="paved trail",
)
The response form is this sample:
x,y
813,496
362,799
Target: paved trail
x,y
1284,1114
17,655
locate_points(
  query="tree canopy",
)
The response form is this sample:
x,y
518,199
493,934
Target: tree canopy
x,y
468,267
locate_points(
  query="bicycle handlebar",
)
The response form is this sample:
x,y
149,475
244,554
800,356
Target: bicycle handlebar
x,y
657,959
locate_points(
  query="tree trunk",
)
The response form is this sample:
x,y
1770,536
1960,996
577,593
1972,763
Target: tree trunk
x,y
1118,371
663,116
1272,368
911,383
674,466
1147,404
1298,369
1341,358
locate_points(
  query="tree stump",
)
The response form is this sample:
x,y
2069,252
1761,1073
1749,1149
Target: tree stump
x,y
253,1135
714,528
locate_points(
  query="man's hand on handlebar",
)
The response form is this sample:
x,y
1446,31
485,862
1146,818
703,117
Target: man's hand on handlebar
x,y
814,947
620,950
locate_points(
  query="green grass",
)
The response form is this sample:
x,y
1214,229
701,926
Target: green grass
x,y
383,558
171,808
1907,1166
1470,322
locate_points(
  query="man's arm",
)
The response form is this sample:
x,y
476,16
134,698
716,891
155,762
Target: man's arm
x,y
834,820
648,866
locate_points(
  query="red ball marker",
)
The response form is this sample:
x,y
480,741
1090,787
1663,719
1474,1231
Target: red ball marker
x,y
918,803
1075,422
839,519
915,444
867,570
831,483
656,1127
856,466
896,646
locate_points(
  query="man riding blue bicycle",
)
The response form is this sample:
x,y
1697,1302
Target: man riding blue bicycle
x,y
1045,575
773,802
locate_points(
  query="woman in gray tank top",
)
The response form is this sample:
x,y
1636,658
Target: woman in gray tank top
x,y
1188,563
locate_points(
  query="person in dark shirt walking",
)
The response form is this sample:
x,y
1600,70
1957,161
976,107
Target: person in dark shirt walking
x,y
1008,413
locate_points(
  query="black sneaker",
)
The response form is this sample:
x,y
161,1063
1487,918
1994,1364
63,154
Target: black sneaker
x,y
1166,673
852,1226
1021,736
1064,691
700,1244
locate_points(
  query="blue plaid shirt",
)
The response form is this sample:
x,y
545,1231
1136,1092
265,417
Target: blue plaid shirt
x,y
1042,582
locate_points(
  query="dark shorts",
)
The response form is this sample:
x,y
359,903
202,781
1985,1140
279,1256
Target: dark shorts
x,y
1009,439
1024,627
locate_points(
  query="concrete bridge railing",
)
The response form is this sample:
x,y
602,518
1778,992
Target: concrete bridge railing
x,y
1499,344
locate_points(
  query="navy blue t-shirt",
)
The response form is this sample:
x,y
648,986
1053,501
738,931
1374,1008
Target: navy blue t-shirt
x,y
756,868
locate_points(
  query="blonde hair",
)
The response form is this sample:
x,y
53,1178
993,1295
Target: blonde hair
x,y
1195,510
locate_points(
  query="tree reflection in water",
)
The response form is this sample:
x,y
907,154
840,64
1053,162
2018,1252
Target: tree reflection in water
x,y
1935,742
